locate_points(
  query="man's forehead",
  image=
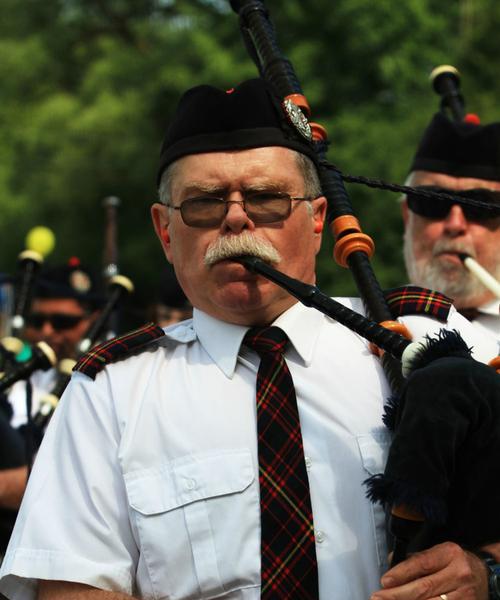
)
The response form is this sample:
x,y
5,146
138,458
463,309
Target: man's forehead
x,y
450,182
265,164
61,304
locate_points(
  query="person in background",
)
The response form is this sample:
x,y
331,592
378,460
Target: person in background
x,y
463,159
66,299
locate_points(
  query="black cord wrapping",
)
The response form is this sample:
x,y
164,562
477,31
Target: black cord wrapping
x,y
407,189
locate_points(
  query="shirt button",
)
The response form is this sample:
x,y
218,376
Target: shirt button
x,y
320,536
308,462
190,484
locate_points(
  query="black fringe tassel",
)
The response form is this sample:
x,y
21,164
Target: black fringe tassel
x,y
447,343
389,492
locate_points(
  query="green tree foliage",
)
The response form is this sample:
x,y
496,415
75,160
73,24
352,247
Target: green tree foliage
x,y
88,87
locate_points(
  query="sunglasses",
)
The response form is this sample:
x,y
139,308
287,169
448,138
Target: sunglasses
x,y
438,208
58,321
261,207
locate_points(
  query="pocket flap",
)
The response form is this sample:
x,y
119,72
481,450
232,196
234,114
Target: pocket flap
x,y
188,479
374,449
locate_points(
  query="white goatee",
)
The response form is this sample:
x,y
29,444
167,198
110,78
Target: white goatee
x,y
452,279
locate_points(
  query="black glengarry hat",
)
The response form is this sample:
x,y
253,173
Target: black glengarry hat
x,y
208,119
70,280
459,149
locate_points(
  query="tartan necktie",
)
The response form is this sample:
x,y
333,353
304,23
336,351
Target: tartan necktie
x,y
288,554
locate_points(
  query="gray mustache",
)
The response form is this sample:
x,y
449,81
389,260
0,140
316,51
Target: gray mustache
x,y
446,246
242,244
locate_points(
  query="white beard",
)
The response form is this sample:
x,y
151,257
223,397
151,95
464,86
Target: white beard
x,y
453,280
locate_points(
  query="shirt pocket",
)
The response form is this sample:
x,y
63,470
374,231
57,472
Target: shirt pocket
x,y
373,449
197,522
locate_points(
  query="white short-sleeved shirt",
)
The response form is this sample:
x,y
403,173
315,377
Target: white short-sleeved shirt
x,y
147,480
488,320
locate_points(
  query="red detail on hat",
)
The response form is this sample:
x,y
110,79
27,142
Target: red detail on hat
x,y
74,261
230,91
472,119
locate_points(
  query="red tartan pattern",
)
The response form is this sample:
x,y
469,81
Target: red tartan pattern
x,y
288,553
96,359
413,300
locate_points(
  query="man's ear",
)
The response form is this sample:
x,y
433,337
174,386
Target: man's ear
x,y
318,218
319,213
160,218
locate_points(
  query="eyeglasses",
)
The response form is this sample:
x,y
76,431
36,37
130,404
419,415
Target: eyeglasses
x,y
58,321
261,207
438,208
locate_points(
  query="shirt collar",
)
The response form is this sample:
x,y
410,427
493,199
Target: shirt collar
x,y
491,308
222,341
302,325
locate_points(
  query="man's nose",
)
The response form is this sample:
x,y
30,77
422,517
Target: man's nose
x,y
455,222
236,218
47,330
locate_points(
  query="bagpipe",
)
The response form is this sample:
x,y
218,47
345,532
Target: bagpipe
x,y
110,254
18,359
443,413
11,345
42,357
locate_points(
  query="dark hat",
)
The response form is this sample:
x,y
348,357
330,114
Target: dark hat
x,y
70,280
208,119
460,149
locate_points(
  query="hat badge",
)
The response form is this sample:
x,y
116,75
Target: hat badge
x,y
297,118
80,281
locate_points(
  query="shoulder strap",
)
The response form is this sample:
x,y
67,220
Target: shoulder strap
x,y
117,348
414,300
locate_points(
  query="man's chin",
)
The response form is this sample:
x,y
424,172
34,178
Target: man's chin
x,y
452,282
445,282
230,271
241,301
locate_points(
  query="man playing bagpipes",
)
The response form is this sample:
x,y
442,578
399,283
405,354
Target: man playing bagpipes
x,y
66,300
224,457
446,242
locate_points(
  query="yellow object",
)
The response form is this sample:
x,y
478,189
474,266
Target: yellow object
x,y
41,239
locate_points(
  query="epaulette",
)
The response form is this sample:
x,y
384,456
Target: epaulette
x,y
414,300
117,348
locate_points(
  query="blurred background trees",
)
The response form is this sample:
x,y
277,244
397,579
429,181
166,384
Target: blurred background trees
x,y
88,87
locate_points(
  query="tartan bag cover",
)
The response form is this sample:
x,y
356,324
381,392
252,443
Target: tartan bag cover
x,y
414,300
288,553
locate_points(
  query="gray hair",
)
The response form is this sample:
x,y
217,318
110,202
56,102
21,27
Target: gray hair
x,y
312,186
166,183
